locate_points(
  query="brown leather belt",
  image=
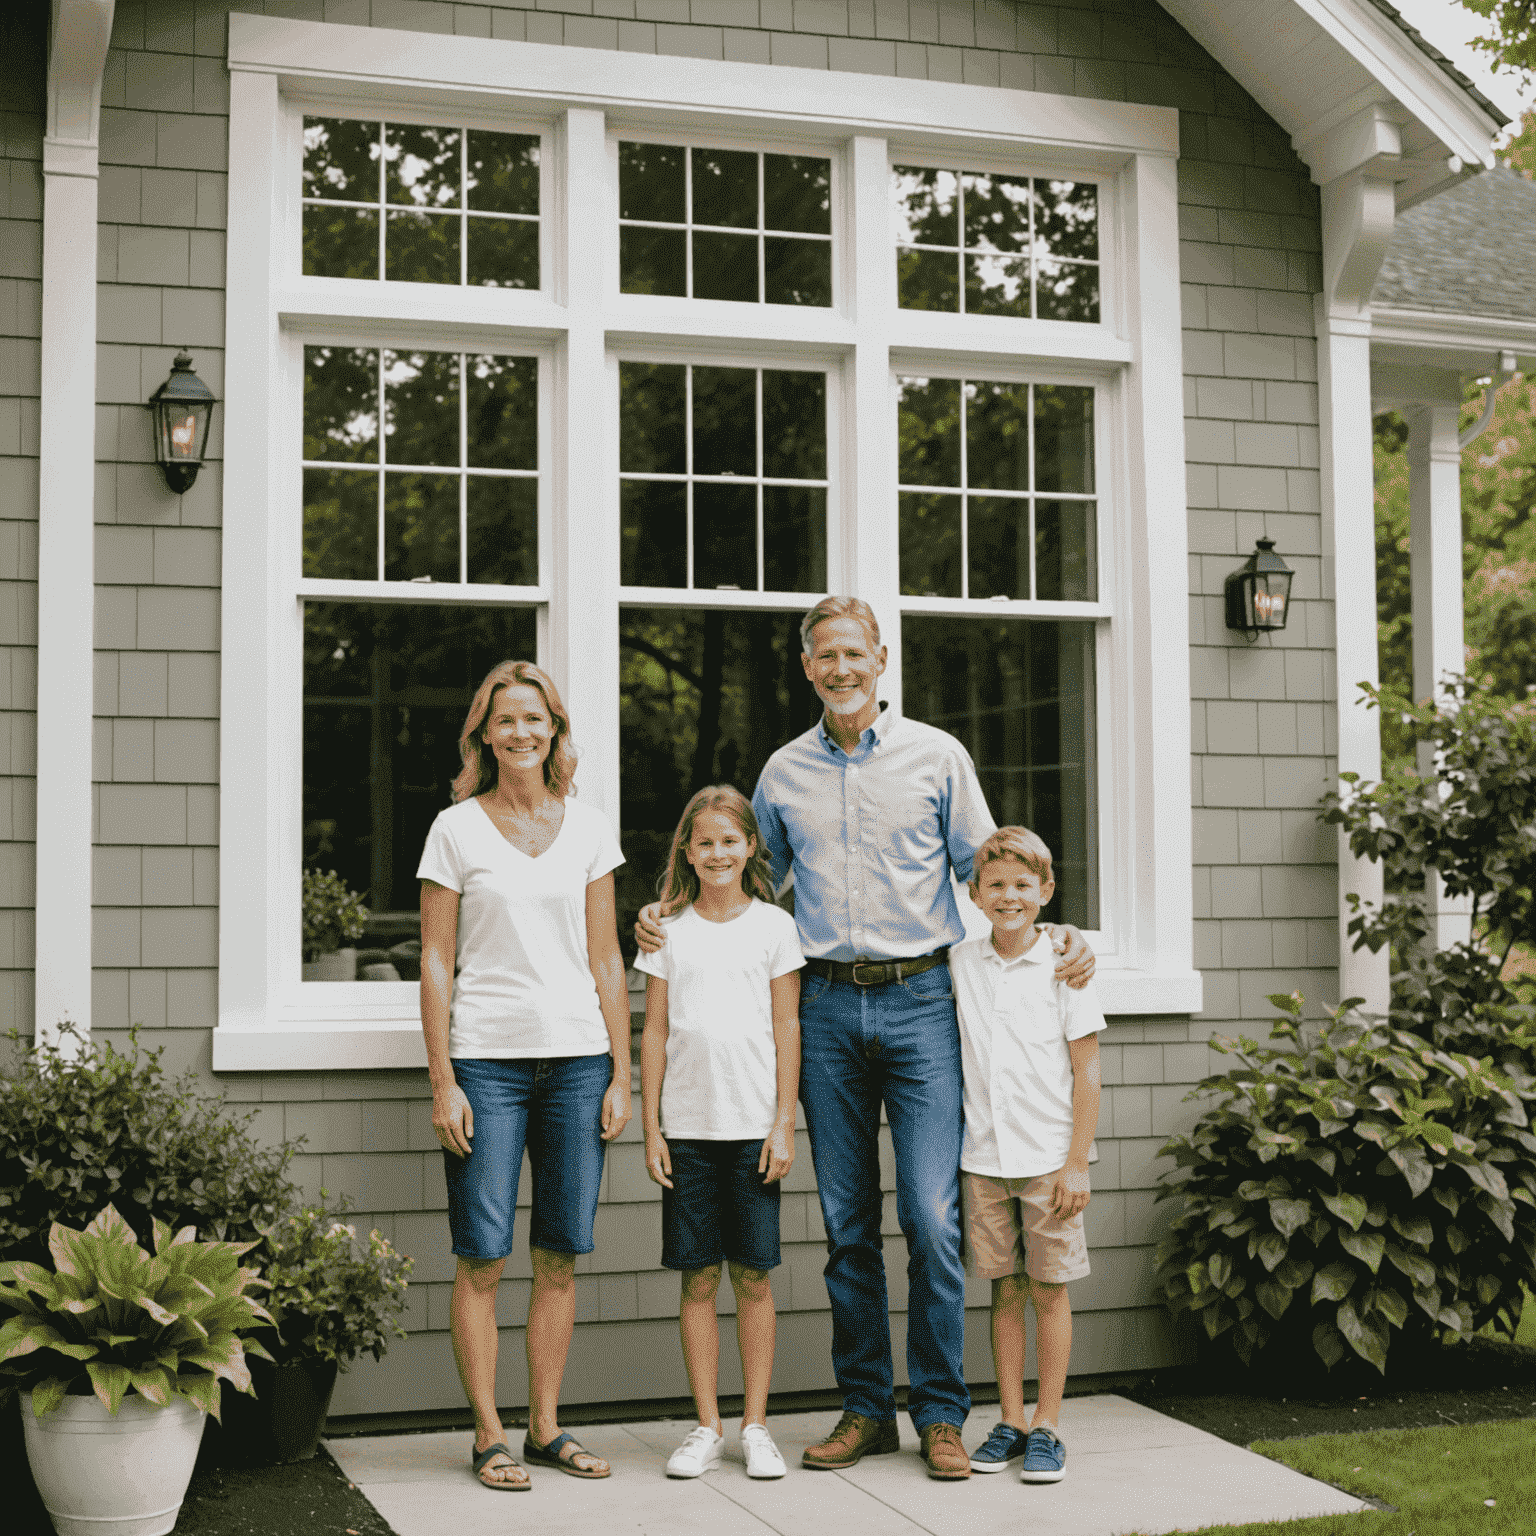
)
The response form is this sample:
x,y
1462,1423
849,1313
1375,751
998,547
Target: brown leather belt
x,y
876,973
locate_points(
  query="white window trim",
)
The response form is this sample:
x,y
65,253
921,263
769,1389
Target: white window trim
x,y
583,99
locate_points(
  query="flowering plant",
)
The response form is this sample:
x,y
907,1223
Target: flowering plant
x,y
332,912
334,1296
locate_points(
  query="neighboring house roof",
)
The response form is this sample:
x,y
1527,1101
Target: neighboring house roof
x,y
1429,50
1470,250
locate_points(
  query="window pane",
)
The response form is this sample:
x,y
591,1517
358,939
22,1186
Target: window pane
x,y
703,699
341,242
341,524
1063,438
725,267
421,407
503,412
503,530
385,693
724,421
651,183
725,188
652,261
996,213
653,521
997,545
1020,696
725,536
421,527
794,424
930,545
797,194
503,253
503,172
341,404
927,206
929,429
794,539
997,436
341,159
1067,219
422,248
997,285
1066,551
421,166
1066,290
928,280
797,272
651,418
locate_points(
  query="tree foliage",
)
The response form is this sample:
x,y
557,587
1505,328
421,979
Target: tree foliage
x,y
1512,42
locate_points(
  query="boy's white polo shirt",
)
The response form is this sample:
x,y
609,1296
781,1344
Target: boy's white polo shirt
x,y
1015,1022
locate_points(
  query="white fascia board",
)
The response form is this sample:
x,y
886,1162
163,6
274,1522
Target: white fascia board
x,y
1434,330
692,90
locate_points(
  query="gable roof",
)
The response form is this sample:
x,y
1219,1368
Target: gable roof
x,y
1470,250
1446,67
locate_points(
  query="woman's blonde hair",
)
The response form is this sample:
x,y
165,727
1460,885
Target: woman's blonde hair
x,y
679,882
479,772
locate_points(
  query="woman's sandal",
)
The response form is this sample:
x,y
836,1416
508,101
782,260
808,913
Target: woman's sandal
x,y
549,1456
479,1459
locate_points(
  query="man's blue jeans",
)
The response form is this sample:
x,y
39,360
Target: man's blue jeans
x,y
897,1044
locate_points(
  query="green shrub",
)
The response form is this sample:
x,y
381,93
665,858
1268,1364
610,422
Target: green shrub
x,y
333,911
109,1128
1357,1184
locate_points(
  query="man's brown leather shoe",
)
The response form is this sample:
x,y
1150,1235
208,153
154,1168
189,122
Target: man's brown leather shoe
x,y
854,1437
945,1454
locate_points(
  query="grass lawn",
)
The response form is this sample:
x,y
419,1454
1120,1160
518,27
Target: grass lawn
x,y
1438,1479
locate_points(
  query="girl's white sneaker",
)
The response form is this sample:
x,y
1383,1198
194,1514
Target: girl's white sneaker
x,y
699,1453
763,1459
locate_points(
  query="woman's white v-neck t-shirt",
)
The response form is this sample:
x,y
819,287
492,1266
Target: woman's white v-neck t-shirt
x,y
524,986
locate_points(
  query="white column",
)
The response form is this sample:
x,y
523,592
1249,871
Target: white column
x,y
66,517
583,611
1439,641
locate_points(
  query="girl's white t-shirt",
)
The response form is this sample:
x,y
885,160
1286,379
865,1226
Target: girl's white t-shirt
x,y
524,985
722,1066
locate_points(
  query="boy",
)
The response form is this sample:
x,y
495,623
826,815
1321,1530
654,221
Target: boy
x,y
1030,1054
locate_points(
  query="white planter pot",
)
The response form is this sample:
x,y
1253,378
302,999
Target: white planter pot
x,y
105,1476
339,965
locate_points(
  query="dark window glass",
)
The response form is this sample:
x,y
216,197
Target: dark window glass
x,y
797,193
421,247
503,519
503,253
502,173
929,427
502,412
724,421
1020,696
725,188
651,183
1066,290
929,534
1063,438
997,285
794,539
1066,551
421,166
653,260
385,693
653,418
997,546
341,524
997,436
340,242
996,213
653,542
341,159
927,206
928,280
1067,218
725,536
421,527
421,407
725,267
341,404
794,424
704,698
797,271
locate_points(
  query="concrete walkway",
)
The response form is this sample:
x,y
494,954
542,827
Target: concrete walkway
x,y
1129,1470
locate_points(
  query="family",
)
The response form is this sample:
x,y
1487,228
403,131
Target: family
x,y
983,1055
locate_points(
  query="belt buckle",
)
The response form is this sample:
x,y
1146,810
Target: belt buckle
x,y
875,965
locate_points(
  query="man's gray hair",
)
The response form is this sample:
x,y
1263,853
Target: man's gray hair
x,y
840,608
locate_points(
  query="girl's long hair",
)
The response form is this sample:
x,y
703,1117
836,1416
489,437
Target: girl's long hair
x,y
479,772
679,882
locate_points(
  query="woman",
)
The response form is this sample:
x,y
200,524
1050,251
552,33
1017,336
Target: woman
x,y
528,1047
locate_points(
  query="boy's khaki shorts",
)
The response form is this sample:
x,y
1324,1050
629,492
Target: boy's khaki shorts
x,y
1010,1230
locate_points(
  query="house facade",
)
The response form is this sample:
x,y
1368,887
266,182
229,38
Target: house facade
x,y
610,333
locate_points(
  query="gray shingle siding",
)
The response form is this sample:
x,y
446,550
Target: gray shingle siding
x,y
1262,720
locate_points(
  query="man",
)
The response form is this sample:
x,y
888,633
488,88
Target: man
x,y
872,813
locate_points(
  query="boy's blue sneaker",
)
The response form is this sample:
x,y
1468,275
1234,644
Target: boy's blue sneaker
x,y
1005,1444
1045,1458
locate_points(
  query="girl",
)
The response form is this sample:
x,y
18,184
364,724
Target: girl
x,y
719,1075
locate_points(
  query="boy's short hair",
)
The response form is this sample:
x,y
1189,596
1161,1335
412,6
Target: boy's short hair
x,y
1013,843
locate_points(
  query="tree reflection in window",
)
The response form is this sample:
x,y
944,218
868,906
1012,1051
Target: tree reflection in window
x,y
386,688
704,697
996,245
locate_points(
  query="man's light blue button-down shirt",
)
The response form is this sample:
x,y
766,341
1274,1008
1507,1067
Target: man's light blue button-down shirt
x,y
872,836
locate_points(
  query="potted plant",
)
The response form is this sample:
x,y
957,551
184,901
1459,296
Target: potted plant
x,y
127,1348
334,1296
333,912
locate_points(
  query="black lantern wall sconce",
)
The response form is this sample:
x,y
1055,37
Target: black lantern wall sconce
x,y
181,410
1259,595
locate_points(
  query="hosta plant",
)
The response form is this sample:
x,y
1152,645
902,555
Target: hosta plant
x,y
1355,1185
110,1318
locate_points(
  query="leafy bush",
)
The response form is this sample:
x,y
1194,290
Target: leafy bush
x,y
110,1319
332,1298
333,911
1357,1184
109,1128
